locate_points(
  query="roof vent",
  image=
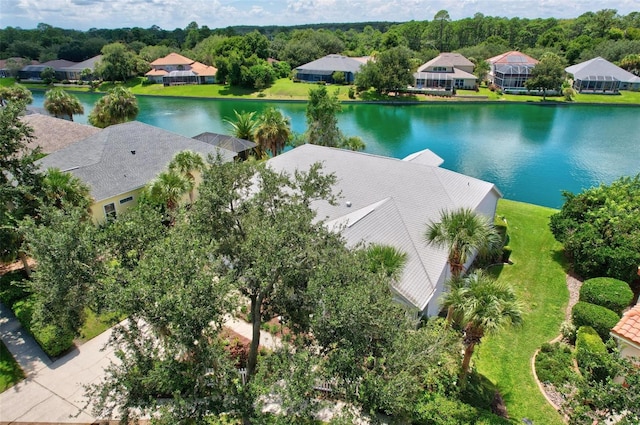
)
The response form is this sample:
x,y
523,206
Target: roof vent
x,y
133,152
348,203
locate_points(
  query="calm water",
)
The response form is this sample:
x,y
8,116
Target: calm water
x,y
531,152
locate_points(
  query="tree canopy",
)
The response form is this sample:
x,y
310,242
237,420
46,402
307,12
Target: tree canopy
x,y
117,106
600,229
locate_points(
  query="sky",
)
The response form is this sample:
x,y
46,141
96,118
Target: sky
x,y
171,14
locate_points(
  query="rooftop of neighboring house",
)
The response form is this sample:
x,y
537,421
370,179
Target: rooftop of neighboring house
x,y
598,69
628,328
125,157
52,134
449,60
513,58
172,59
331,63
390,201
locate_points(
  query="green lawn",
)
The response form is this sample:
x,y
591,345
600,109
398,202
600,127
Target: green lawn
x,y
538,275
10,372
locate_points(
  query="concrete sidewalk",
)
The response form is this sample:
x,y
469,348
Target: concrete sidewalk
x,y
53,392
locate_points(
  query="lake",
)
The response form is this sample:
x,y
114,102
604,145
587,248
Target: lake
x,y
532,152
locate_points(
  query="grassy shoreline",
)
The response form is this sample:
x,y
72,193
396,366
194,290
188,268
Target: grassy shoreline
x,y
285,90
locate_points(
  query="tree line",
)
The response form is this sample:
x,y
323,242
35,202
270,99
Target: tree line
x,y
603,33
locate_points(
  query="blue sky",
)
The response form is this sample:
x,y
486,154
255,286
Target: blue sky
x,y
171,14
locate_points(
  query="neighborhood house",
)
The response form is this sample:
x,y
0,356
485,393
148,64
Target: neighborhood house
x,y
510,70
446,72
175,69
117,162
598,75
627,334
323,69
390,201
64,69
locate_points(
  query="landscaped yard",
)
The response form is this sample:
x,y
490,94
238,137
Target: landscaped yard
x,y
538,275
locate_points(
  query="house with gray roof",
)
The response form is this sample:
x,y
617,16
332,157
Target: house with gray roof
x,y
598,75
64,69
322,69
51,134
444,73
390,201
117,162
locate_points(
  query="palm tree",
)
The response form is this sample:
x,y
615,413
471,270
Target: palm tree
x,y
185,163
244,126
61,189
58,102
118,106
273,131
464,233
484,306
167,189
387,259
453,297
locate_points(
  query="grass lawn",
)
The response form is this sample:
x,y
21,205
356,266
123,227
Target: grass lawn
x,y
538,275
10,372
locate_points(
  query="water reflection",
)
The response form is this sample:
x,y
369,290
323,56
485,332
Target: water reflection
x,y
530,152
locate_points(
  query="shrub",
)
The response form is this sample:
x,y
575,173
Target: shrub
x,y
607,292
54,340
351,93
591,354
599,318
554,364
13,288
568,331
438,409
506,254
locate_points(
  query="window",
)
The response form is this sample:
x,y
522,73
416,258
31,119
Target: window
x,y
127,199
110,211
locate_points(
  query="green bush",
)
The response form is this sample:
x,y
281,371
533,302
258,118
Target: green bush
x,y
591,353
554,364
506,254
54,340
599,318
608,292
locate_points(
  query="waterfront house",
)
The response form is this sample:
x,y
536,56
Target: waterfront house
x,y
390,201
9,67
175,69
627,334
323,69
598,75
64,69
117,162
509,71
444,73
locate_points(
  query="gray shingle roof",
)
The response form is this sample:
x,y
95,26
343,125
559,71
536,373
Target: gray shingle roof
x,y
331,63
447,59
391,202
124,157
600,69
53,134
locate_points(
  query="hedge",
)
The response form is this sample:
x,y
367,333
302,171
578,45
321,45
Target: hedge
x,y
591,354
608,292
599,318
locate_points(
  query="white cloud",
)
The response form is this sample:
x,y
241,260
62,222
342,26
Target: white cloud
x,y
170,14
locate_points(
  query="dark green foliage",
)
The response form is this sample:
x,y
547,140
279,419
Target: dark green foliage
x,y
13,288
600,229
554,364
599,318
437,409
54,340
592,355
607,292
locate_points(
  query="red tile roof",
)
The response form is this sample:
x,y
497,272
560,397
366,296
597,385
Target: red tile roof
x,y
203,70
629,326
172,59
513,58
